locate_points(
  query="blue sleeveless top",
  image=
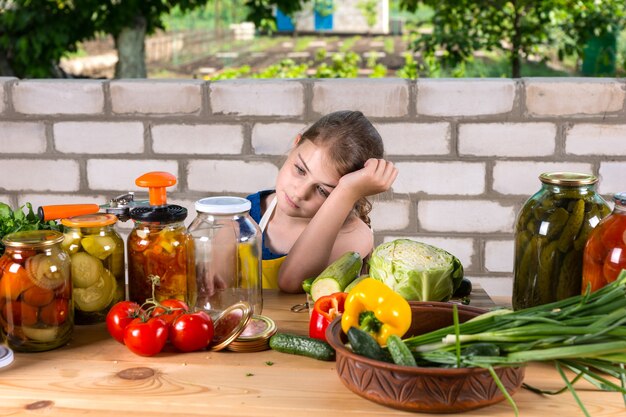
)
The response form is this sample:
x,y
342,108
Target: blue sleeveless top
x,y
255,213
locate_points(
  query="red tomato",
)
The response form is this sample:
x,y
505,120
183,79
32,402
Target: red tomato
x,y
146,338
191,332
55,313
174,308
119,316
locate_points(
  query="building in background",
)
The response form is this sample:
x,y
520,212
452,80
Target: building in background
x,y
337,16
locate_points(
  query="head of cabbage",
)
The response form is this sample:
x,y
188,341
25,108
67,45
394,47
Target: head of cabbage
x,y
415,270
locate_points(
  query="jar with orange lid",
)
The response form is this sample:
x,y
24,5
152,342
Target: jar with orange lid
x,y
97,265
35,291
605,251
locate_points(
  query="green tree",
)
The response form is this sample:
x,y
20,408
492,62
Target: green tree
x,y
35,34
369,10
261,12
516,27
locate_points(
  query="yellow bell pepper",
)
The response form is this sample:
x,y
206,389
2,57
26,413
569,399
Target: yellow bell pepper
x,y
375,308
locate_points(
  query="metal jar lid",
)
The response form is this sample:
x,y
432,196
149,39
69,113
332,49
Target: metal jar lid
x,y
90,220
620,198
568,179
223,205
33,238
255,336
230,324
169,213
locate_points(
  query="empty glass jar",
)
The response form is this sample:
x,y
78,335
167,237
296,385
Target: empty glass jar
x,y
227,245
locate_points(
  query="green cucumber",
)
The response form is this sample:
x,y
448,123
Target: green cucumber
x,y
337,276
306,285
303,346
364,344
400,352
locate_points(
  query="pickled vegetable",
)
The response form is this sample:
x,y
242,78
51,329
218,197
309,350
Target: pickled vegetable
x,y
97,296
99,246
550,235
48,272
165,251
605,252
86,270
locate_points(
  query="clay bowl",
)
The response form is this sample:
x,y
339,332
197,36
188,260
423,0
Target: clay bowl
x,y
427,390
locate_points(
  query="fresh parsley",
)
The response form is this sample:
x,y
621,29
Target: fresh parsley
x,y
18,220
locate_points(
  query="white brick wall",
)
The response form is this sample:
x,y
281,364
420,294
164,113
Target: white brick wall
x,y
596,139
465,216
197,139
567,96
390,215
120,174
58,97
507,139
275,138
440,178
522,178
29,137
612,177
469,151
257,98
231,176
156,97
464,97
98,137
39,175
388,98
499,255
415,138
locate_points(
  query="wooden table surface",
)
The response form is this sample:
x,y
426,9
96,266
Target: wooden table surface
x,y
96,376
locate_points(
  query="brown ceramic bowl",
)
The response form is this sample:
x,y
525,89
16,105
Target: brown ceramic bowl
x,y
427,390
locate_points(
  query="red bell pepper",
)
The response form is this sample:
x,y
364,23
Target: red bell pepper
x,y
324,312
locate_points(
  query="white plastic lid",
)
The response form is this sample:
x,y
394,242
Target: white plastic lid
x,y
6,356
223,205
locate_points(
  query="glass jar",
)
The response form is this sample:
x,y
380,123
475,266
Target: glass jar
x,y
228,254
97,256
605,252
550,236
35,291
160,247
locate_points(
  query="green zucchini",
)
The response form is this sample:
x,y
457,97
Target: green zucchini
x,y
365,345
337,276
353,283
306,285
303,346
400,352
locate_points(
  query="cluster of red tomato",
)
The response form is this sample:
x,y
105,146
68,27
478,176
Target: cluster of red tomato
x,y
145,332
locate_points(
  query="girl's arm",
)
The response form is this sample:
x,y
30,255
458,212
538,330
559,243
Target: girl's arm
x,y
311,253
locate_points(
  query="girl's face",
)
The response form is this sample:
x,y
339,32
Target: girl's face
x,y
305,180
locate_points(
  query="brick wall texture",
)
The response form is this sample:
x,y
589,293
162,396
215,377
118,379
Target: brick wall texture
x,y
469,151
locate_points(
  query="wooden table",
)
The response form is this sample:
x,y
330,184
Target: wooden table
x,y
96,376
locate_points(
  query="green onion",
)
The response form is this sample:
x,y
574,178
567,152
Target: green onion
x,y
585,333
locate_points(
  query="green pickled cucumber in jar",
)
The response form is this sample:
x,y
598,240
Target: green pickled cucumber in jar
x,y
550,235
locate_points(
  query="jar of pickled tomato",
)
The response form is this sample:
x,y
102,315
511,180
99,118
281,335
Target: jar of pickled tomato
x,y
160,250
35,291
97,265
605,251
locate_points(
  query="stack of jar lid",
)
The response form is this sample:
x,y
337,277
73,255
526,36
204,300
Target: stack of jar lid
x,y
239,330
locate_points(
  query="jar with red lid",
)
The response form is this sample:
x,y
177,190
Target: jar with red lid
x,y
35,291
605,252
160,249
97,265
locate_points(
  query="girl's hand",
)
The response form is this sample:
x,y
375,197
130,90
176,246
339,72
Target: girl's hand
x,y
376,176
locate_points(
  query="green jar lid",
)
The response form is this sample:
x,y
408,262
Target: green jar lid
x,y
568,179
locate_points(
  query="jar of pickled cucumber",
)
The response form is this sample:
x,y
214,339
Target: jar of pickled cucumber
x,y
159,247
97,269
550,236
35,291
605,252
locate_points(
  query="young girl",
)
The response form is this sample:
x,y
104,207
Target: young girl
x,y
318,210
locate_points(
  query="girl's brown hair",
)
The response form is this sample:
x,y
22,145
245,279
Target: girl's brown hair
x,y
351,140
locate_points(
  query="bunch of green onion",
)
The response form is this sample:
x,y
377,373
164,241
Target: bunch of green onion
x,y
585,334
